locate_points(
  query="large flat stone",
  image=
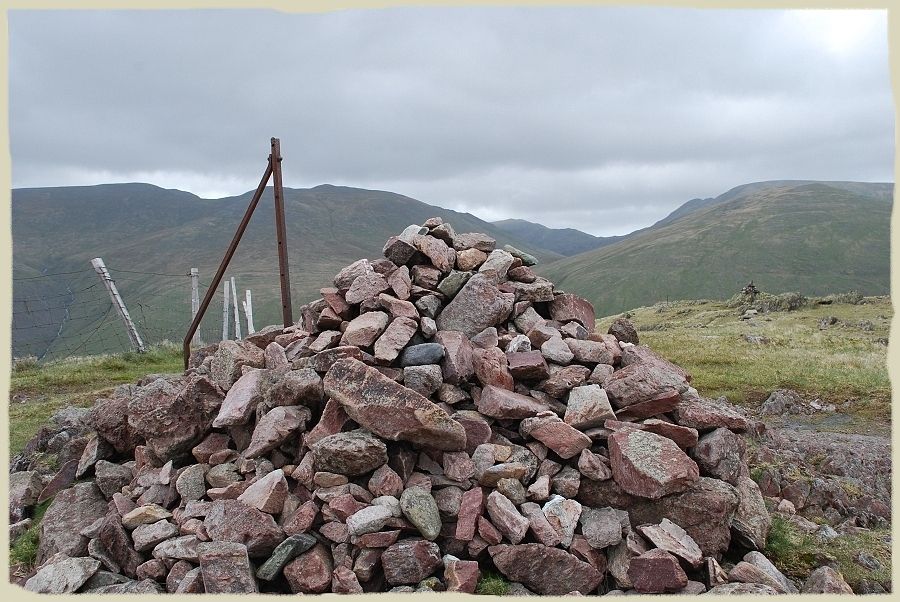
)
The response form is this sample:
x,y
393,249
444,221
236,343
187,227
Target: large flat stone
x,y
389,409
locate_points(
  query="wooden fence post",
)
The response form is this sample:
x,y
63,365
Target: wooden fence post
x,y
225,304
248,311
118,303
237,314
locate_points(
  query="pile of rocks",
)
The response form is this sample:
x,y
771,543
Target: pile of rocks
x,y
439,412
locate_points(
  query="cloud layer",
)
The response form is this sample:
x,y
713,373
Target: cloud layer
x,y
601,119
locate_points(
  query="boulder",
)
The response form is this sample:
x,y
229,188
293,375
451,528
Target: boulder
x,y
410,561
478,305
825,580
718,454
225,568
656,572
310,572
567,307
62,575
275,427
364,330
391,410
751,523
562,438
648,465
587,407
673,539
501,403
235,521
71,511
545,570
349,453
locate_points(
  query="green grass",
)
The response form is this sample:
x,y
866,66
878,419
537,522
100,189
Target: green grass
x,y
492,584
796,554
842,362
24,549
37,391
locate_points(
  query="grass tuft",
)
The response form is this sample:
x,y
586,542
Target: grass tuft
x,y
796,553
492,584
24,549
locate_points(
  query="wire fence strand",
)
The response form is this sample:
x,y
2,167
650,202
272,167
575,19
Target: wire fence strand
x,y
68,313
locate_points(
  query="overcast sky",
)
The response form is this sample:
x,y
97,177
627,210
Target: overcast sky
x,y
601,119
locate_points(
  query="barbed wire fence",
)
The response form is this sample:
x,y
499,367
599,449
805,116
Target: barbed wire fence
x,y
70,313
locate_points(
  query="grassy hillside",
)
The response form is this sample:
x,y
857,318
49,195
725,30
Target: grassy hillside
x,y
847,360
814,237
163,233
565,241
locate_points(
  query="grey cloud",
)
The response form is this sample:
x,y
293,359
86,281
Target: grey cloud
x,y
601,119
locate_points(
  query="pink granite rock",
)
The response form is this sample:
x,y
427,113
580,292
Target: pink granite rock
x,y
648,465
492,368
501,403
275,428
568,307
528,365
400,282
441,256
545,570
385,481
587,407
362,331
673,539
409,561
507,519
457,364
226,569
268,493
656,572
310,573
470,508
478,305
366,288
642,382
549,429
391,410
462,576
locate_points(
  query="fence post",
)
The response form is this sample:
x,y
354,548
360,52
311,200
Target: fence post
x,y
100,268
248,311
237,314
195,300
225,304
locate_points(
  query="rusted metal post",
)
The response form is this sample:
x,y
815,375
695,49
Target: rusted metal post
x,y
281,234
214,286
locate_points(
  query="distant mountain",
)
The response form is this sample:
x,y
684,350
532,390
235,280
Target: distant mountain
x,y
143,228
812,237
565,241
815,237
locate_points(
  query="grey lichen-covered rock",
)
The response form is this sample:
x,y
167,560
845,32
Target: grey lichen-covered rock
x,y
286,551
62,574
421,510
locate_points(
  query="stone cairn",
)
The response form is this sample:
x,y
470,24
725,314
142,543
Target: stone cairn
x,y
439,412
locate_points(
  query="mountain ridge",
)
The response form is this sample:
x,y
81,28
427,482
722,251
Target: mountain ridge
x,y
163,232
